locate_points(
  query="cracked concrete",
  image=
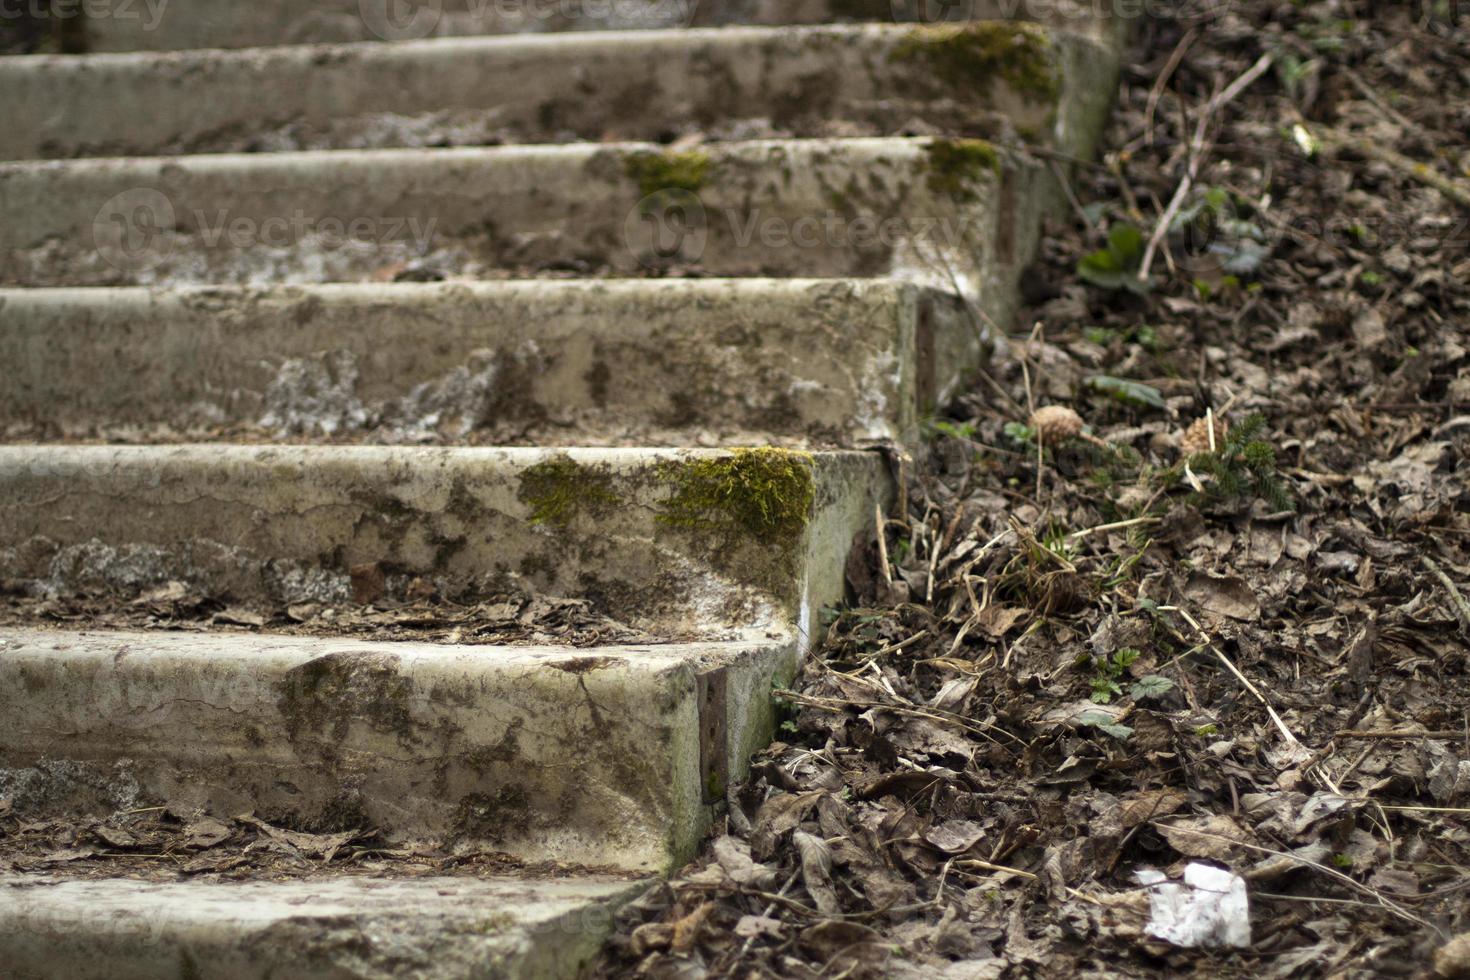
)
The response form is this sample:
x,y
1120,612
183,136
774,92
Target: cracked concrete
x,y
747,250
428,928
229,24
856,208
867,79
507,363
543,755
298,519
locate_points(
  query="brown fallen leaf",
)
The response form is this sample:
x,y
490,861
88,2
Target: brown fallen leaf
x,y
1215,836
816,871
239,616
955,836
206,832
777,817
755,926
686,930
324,846
113,837
1149,805
1223,595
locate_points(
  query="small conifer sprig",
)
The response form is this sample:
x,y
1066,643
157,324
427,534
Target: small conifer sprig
x,y
1244,464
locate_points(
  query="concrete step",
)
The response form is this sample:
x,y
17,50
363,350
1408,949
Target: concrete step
x,y
956,215
539,362
678,543
341,926
131,25
611,757
654,85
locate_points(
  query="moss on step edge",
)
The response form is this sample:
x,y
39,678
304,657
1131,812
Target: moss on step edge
x,y
956,165
660,173
561,488
765,494
974,55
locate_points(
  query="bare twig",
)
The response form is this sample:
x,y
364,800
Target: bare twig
x,y
1196,155
1115,526
1335,139
882,526
1286,733
1397,735
1462,609
1155,93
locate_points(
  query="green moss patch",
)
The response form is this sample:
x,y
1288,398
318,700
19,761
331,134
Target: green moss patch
x,y
561,488
955,166
764,494
971,56
658,173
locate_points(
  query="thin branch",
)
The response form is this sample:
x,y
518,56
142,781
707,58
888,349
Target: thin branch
x,y
1462,609
1196,155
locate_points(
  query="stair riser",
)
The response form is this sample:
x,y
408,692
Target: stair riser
x,y
429,928
761,361
913,209
135,25
585,757
871,80
632,530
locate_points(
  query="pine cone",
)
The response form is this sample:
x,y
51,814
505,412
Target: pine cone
x,y
1196,439
1056,423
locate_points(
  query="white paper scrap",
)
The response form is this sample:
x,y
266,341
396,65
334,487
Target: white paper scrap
x,y
1211,908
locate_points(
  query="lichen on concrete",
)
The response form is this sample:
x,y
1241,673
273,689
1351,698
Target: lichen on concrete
x,y
972,56
955,166
63,785
315,396
560,489
763,494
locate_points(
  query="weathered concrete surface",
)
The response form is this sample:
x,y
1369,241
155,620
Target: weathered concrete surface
x,y
591,757
232,24
988,79
666,540
427,928
955,216
614,756
834,362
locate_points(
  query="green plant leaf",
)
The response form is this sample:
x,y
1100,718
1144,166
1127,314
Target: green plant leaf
x,y
1116,266
1128,392
1150,686
1104,723
1020,432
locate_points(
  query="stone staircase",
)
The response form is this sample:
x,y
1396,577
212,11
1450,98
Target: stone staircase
x,y
346,305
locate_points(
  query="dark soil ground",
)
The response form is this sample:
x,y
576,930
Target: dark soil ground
x,y
1142,646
